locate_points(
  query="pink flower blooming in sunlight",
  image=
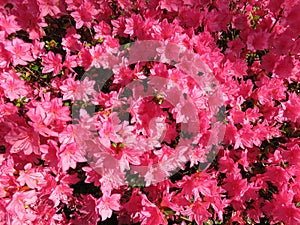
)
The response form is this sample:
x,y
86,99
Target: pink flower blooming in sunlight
x,y
56,111
292,108
23,139
60,193
107,203
20,205
258,40
5,56
12,85
50,7
21,51
9,24
52,63
199,211
69,88
151,213
60,188
85,89
84,15
30,177
69,155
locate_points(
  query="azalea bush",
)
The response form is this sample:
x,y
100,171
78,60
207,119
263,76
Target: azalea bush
x,y
149,112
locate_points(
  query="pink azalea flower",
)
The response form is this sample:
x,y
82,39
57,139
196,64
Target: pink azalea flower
x,y
52,62
284,67
102,29
59,189
97,52
92,176
235,187
292,155
277,175
85,58
70,63
67,136
38,116
270,89
47,214
28,17
7,110
20,204
269,61
73,4
108,130
106,204
49,153
61,192
217,21
23,139
84,15
85,89
152,215
56,111
246,137
21,51
198,211
69,88
287,212
13,86
5,56
88,211
170,5
9,24
258,40
31,177
69,155
37,49
71,41
50,7
292,108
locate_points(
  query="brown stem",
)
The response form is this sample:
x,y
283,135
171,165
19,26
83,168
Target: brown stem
x,y
277,19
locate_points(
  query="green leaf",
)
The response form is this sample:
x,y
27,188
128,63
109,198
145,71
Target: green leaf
x,y
127,46
121,145
35,68
100,40
169,212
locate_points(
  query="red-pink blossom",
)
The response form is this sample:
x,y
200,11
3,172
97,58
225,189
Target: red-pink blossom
x,y
21,203
23,139
30,177
8,24
258,40
107,204
13,87
292,107
52,63
21,51
69,155
84,14
49,7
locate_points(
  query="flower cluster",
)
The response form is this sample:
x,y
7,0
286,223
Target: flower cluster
x,y
109,115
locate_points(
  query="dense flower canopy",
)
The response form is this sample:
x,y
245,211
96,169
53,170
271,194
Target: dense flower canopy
x,y
150,117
